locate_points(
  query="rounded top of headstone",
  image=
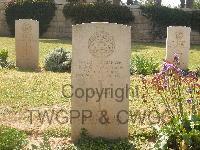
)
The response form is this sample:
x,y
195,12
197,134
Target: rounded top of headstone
x,y
101,23
27,20
179,28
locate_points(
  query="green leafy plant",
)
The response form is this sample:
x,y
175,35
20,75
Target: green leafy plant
x,y
58,60
87,142
4,62
143,65
180,134
97,12
198,71
179,93
162,17
196,4
57,132
11,138
3,58
41,10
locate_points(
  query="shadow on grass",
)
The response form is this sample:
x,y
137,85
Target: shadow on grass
x,y
56,41
37,70
139,46
195,47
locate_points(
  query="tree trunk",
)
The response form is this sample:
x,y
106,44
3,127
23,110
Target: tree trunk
x,y
182,3
189,3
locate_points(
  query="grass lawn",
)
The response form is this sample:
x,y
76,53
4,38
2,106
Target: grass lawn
x,y
22,90
30,89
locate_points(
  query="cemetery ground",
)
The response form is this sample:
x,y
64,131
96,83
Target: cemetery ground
x,y
23,90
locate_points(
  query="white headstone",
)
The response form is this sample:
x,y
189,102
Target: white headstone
x,y
27,43
178,42
101,54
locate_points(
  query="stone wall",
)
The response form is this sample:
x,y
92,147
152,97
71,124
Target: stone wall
x,y
62,28
142,29
59,26
3,25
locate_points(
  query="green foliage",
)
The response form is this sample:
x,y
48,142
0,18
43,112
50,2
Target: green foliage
x,y
3,55
162,17
86,142
97,12
143,65
44,145
195,20
196,4
180,134
11,138
4,62
58,60
41,10
57,132
198,72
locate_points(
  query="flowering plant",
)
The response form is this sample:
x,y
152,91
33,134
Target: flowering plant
x,y
180,93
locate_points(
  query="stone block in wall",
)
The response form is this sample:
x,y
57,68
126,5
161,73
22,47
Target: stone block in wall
x,y
141,19
136,12
196,38
54,19
60,7
60,18
68,29
195,33
59,12
143,26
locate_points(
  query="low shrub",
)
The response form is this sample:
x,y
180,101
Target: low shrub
x,y
12,139
59,60
97,12
86,142
41,10
4,62
143,65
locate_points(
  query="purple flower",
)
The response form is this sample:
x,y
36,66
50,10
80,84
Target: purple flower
x,y
189,90
176,58
168,66
189,100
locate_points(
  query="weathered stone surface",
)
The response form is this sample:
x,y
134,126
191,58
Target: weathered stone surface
x,y
27,43
178,42
101,54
